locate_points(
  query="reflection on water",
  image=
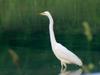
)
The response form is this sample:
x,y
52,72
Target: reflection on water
x,y
77,72
93,74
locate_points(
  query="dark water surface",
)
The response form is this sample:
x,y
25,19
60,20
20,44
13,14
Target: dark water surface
x,y
40,60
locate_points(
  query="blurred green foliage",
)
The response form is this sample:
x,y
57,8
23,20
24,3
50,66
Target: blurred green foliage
x,y
20,19
24,13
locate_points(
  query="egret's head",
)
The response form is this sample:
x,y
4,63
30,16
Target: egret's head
x,y
46,13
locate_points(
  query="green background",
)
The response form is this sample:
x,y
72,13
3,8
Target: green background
x,y
26,32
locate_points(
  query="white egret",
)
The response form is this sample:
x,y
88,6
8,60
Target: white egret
x,y
61,52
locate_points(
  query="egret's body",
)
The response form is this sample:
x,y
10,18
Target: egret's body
x,y
62,53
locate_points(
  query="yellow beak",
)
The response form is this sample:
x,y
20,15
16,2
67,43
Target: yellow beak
x,y
41,13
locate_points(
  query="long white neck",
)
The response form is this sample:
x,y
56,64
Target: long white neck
x,y
51,32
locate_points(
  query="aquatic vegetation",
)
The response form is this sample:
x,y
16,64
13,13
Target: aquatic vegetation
x,y
87,31
15,57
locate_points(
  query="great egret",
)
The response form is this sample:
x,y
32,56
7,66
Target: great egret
x,y
62,53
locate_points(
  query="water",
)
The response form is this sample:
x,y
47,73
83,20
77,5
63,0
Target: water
x,y
39,59
36,56
31,72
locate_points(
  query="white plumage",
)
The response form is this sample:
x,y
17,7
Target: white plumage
x,y
65,55
62,53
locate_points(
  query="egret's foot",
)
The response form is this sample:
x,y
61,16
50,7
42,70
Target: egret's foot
x,y
62,70
65,67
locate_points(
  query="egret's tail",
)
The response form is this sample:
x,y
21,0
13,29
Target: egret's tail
x,y
79,62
